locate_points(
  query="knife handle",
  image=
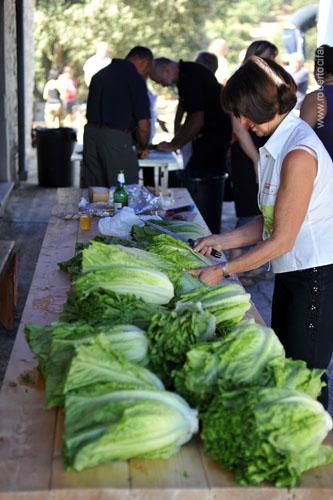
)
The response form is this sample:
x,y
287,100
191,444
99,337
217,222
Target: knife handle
x,y
214,253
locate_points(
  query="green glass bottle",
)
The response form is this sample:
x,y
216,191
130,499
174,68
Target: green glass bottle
x,y
120,195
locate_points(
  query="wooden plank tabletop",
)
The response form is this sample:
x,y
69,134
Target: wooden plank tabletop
x,y
30,436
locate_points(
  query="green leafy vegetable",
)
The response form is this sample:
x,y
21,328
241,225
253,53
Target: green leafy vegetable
x,y
186,283
269,434
39,340
126,339
251,355
98,256
243,358
73,265
101,362
172,334
177,252
228,303
294,374
118,425
189,230
101,307
151,285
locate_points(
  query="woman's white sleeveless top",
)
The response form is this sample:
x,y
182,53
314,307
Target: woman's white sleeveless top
x,y
314,243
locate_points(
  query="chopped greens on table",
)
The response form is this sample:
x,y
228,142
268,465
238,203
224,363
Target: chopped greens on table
x,y
134,323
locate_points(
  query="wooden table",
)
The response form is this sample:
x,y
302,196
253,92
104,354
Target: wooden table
x,y
30,437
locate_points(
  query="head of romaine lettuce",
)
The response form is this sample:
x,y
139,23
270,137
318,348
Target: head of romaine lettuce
x,y
122,424
244,357
109,360
177,252
152,286
269,434
65,338
172,334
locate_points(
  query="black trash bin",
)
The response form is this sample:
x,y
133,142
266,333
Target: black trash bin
x,y
54,150
207,194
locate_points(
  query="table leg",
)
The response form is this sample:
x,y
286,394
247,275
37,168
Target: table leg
x,y
156,176
165,177
141,182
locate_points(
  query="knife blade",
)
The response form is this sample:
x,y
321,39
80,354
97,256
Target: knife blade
x,y
189,241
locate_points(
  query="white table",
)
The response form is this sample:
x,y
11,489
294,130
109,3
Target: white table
x,y
161,161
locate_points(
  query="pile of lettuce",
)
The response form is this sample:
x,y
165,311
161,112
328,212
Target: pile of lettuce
x,y
258,410
134,324
55,347
251,355
101,265
115,410
266,434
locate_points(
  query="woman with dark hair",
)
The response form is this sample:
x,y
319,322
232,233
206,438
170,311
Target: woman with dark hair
x,y
295,229
317,107
244,155
261,48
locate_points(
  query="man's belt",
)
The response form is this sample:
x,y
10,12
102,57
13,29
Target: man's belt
x,y
100,125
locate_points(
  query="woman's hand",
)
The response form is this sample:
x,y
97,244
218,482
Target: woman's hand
x,y
210,275
205,245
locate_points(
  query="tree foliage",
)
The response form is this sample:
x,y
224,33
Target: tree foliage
x,y
66,30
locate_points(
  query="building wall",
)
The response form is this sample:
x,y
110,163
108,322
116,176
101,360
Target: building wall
x,y
8,87
10,91
29,6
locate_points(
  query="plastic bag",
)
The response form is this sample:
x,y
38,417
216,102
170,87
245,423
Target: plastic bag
x,y
121,224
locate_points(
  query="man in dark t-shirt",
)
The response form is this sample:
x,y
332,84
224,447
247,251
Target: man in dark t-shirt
x,y
117,107
206,124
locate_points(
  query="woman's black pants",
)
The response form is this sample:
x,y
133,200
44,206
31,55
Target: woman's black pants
x,y
302,316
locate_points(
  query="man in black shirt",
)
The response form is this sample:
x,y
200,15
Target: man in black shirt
x,y
206,124
117,107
